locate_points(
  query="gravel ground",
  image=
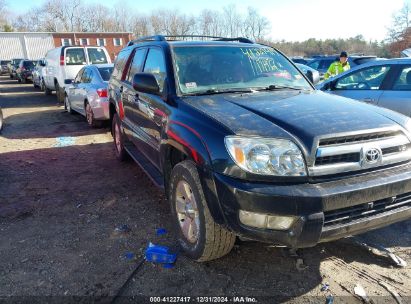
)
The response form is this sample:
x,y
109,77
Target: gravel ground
x,y
63,194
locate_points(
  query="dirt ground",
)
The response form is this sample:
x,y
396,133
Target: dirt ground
x,y
63,194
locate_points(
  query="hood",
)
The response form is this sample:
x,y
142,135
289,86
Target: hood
x,y
292,114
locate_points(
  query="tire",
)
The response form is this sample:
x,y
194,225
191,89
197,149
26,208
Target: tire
x,y
59,93
47,91
67,105
42,86
118,137
1,120
90,117
209,240
18,80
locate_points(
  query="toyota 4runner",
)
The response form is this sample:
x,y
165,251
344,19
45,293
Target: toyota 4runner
x,y
245,146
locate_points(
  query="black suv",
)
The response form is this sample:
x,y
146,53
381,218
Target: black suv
x,y
245,146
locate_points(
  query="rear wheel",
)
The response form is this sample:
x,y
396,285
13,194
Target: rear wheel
x,y
118,137
59,93
90,117
199,236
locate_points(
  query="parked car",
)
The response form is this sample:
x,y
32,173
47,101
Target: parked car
x,y
385,83
1,120
244,145
4,66
24,70
300,60
312,75
321,64
13,65
66,61
38,73
87,93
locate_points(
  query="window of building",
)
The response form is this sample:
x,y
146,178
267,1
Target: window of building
x,y
84,41
117,41
101,42
65,41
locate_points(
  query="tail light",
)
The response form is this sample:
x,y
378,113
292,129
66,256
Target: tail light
x,y
102,92
61,60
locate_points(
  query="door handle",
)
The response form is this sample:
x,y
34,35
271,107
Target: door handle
x,y
368,99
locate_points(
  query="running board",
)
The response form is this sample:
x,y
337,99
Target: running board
x,y
148,168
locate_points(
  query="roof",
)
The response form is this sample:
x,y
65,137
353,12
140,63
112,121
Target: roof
x,y
103,65
65,33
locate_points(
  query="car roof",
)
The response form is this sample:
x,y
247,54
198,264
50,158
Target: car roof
x,y
102,65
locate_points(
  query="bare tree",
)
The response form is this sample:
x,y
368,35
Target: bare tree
x,y
401,21
255,25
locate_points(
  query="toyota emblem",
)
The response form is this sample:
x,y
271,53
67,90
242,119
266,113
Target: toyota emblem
x,y
372,155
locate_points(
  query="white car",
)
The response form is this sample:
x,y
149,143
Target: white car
x,y
66,61
87,93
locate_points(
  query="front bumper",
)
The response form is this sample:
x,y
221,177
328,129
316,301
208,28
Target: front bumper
x,y
326,211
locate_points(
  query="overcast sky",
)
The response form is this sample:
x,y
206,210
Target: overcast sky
x,y
292,20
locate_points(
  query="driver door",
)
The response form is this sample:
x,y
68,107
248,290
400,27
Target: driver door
x,y
364,85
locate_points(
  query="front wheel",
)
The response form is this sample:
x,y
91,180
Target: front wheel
x,y
67,104
47,91
198,235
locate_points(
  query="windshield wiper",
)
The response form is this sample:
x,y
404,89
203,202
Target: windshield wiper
x,y
220,91
273,87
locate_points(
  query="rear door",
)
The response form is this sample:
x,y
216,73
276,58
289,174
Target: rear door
x,y
130,103
74,60
365,84
397,96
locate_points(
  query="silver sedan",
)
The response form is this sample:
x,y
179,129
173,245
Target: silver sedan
x,y
87,93
385,83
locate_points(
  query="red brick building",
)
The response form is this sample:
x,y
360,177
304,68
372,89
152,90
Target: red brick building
x,y
113,42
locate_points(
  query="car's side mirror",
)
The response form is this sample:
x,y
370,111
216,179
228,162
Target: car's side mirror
x,y
146,83
313,77
43,63
68,81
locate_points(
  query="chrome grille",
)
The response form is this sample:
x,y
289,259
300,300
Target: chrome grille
x,y
348,153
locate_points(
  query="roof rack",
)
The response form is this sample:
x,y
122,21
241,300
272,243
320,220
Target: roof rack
x,y
187,37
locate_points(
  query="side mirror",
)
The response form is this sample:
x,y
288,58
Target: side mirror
x,y
310,76
42,63
68,81
146,83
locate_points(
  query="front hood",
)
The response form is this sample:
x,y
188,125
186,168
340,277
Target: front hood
x,y
292,114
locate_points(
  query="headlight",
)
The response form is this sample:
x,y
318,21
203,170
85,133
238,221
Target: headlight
x,y
266,156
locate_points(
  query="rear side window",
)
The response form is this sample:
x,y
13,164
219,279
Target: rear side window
x,y
155,65
105,73
403,82
75,56
136,64
96,55
120,63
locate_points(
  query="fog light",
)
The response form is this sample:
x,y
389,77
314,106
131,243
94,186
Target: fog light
x,y
265,221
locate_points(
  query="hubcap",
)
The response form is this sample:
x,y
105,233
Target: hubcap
x,y
187,212
117,137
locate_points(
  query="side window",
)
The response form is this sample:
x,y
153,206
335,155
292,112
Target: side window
x,y
365,79
155,65
86,76
79,75
136,64
403,82
120,63
314,64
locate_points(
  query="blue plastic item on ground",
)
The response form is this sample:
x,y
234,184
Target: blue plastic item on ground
x,y
129,255
159,254
161,231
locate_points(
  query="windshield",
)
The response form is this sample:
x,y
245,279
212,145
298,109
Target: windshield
x,y
29,64
219,68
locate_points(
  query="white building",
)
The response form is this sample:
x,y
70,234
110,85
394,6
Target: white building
x,y
25,45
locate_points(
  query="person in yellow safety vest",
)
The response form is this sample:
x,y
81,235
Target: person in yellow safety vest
x,y
338,67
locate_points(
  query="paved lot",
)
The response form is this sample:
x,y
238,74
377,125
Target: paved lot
x,y
63,193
